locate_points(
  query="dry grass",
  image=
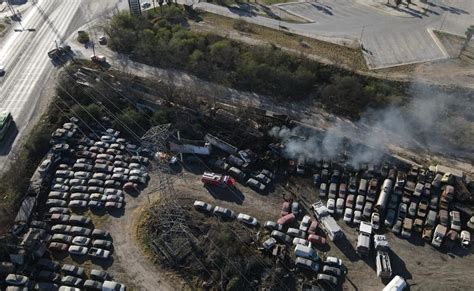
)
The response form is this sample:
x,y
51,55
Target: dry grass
x,y
313,48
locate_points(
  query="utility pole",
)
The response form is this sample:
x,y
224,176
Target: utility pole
x,y
469,33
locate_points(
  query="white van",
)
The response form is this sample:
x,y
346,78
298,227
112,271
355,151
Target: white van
x,y
306,252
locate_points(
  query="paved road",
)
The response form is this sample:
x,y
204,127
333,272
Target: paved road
x,y
23,52
388,40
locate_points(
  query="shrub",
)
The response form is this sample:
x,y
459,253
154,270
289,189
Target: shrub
x,y
83,37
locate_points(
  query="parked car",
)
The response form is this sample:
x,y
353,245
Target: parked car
x,y
412,208
81,241
332,271
17,280
99,253
333,261
313,227
350,201
342,191
99,275
62,238
71,281
294,232
282,237
56,246
331,205
203,206
223,212
269,244
102,244
397,227
339,206
92,285
455,220
256,185
285,208
271,225
375,221
100,234
307,264
286,219
348,215
327,278
77,250
323,190
301,241
263,179
112,286
247,219
305,223
295,208
317,239
73,270
360,202
402,211
357,217
367,211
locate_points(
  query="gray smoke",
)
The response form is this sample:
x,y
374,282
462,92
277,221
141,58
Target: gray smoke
x,y
432,120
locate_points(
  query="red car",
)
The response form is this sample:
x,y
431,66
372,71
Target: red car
x,y
312,228
285,208
213,179
56,246
286,219
317,239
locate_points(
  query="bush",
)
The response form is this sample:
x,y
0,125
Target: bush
x,y
265,70
83,37
242,25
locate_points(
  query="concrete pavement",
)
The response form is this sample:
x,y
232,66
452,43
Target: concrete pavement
x,y
23,53
388,39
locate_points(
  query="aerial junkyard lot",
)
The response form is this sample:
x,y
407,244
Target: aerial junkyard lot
x,y
246,219
103,192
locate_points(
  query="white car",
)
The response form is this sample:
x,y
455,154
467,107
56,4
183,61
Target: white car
x,y
331,205
203,206
375,221
357,217
145,5
348,215
247,219
112,286
340,206
81,241
99,253
77,250
333,261
360,202
305,222
301,241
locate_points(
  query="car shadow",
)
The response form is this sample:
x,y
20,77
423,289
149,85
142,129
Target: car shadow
x,y
229,195
105,264
345,246
116,212
399,266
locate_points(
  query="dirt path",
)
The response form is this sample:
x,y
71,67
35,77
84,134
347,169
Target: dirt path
x,y
129,260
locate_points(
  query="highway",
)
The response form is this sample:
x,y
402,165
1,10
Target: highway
x,y
23,53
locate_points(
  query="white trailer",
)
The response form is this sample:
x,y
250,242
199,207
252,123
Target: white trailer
x,y
328,223
384,267
383,197
397,284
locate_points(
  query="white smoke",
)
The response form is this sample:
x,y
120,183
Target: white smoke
x,y
432,120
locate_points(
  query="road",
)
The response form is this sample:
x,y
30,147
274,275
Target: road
x,y
23,53
389,37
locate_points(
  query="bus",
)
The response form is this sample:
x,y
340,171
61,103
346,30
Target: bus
x,y
5,122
